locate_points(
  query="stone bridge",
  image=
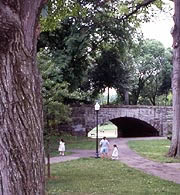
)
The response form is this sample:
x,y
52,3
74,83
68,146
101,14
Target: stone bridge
x,y
132,121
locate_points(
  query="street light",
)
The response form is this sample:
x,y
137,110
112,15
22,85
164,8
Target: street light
x,y
97,108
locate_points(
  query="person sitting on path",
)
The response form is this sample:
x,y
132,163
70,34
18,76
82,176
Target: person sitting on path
x,y
61,148
104,147
115,153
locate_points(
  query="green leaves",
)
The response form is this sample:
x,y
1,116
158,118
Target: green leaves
x,y
152,68
57,10
54,90
109,70
79,32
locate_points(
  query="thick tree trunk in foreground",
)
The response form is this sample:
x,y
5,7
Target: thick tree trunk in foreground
x,y
21,141
175,145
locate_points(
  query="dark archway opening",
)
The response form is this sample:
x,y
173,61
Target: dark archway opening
x,y
132,127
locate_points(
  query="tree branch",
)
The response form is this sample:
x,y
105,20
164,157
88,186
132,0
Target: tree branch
x,y
145,3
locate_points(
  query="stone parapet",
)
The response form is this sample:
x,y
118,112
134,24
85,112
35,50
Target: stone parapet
x,y
84,117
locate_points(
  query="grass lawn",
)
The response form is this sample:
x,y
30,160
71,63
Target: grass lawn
x,y
104,177
153,149
71,142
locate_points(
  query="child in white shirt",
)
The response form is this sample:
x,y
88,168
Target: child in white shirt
x,y
61,148
115,153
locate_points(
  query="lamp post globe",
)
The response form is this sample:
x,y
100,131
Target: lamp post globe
x,y
97,108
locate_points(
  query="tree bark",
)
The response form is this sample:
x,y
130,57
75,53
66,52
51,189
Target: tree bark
x,y
126,97
48,146
174,150
48,159
108,96
21,140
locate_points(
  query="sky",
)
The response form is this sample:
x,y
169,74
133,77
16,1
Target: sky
x,y
160,28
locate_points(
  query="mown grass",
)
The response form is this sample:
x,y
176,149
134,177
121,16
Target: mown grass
x,y
156,150
104,177
71,142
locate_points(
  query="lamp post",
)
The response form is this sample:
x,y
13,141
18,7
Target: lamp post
x,y
97,108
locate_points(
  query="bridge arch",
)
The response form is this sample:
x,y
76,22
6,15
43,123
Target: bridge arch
x,y
132,127
158,120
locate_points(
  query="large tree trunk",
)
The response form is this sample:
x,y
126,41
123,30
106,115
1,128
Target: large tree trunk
x,y
21,141
175,144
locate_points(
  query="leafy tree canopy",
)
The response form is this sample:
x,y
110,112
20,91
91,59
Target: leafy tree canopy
x,y
152,71
78,34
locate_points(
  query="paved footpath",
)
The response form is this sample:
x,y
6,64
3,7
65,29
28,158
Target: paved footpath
x,y
167,171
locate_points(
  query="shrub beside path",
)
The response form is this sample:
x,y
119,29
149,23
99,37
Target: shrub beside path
x,y
167,171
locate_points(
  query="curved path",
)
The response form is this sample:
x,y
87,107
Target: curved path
x,y
167,171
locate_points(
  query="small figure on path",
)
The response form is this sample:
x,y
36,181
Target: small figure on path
x,y
115,153
61,148
104,147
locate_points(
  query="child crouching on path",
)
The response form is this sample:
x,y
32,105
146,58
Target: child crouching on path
x,y
115,153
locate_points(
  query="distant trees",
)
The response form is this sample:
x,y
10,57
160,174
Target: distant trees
x,y
152,72
108,71
79,43
81,40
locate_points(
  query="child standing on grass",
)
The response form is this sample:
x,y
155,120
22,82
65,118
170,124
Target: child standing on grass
x,y
115,153
61,148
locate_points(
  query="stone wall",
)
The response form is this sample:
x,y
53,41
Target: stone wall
x,y
84,117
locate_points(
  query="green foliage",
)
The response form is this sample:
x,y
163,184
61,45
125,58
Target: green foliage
x,y
68,49
104,177
135,11
77,41
75,34
152,72
56,10
166,72
138,11
109,70
54,90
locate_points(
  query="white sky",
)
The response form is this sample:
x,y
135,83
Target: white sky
x,y
160,28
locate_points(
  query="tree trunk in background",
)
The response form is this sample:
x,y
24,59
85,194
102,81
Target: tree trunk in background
x,y
48,159
48,145
21,140
126,97
108,97
174,150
